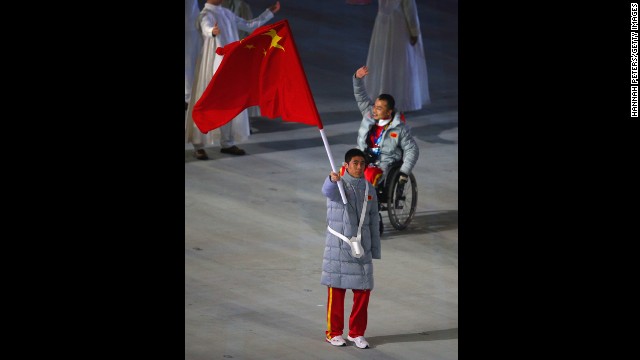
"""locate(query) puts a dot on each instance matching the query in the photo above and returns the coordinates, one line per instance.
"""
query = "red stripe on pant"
(335, 312)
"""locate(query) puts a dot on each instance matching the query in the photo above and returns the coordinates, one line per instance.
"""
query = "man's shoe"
(336, 341)
(359, 341)
(200, 154)
(234, 150)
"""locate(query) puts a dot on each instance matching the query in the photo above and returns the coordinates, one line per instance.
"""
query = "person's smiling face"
(381, 110)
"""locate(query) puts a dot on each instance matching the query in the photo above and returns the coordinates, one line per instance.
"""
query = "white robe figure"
(207, 64)
(395, 66)
(242, 9)
(192, 44)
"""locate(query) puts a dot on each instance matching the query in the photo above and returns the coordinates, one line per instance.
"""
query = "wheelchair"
(397, 199)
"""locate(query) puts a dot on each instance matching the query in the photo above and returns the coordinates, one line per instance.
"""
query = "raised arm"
(250, 25)
(359, 91)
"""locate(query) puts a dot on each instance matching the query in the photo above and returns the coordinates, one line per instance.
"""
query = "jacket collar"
(350, 179)
(395, 122)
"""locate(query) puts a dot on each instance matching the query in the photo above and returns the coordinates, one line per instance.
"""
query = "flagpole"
(313, 103)
(333, 167)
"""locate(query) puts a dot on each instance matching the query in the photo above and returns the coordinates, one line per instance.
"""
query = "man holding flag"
(219, 27)
(352, 242)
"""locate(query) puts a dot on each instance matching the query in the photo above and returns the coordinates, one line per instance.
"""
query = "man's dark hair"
(391, 102)
(353, 152)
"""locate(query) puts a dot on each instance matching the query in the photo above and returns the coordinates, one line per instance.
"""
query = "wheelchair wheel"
(401, 201)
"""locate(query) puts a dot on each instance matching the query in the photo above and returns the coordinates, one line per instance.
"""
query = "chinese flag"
(262, 69)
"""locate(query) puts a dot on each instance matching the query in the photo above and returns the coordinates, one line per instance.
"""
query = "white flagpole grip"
(333, 167)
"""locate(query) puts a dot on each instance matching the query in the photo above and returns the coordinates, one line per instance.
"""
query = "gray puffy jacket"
(339, 268)
(397, 142)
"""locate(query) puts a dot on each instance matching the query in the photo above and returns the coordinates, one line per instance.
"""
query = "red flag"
(262, 69)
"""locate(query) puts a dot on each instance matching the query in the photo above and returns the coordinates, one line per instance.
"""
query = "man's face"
(380, 110)
(356, 166)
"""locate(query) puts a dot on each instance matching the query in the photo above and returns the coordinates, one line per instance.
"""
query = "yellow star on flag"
(274, 39)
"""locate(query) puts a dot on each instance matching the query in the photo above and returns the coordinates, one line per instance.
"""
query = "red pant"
(335, 312)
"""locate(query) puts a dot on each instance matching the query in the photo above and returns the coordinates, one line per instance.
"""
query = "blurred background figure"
(192, 45)
(242, 9)
(396, 56)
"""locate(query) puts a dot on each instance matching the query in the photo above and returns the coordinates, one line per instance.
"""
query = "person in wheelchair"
(383, 136)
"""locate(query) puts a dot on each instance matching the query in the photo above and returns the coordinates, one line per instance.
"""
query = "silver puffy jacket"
(339, 268)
